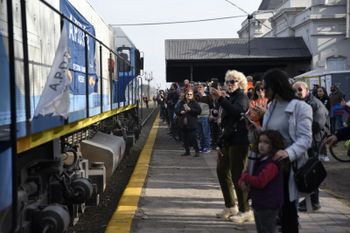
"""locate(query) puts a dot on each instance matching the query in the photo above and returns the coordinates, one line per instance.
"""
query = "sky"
(150, 39)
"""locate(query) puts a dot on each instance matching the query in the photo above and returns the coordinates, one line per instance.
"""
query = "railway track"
(95, 219)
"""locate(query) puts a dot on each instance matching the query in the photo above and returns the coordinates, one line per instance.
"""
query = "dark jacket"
(233, 128)
(172, 98)
(192, 119)
(266, 185)
(320, 122)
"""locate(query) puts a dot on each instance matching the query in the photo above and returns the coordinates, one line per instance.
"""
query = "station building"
(307, 38)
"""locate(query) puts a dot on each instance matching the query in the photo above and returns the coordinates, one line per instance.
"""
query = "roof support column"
(191, 73)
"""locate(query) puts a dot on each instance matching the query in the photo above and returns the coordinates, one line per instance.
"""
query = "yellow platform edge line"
(37, 139)
(122, 217)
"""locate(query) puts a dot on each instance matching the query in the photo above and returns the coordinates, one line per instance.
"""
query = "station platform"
(172, 193)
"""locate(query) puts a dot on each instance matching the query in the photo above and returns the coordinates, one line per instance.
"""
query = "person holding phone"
(187, 111)
(258, 104)
(233, 146)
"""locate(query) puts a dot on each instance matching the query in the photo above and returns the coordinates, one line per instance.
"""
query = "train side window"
(124, 60)
(141, 63)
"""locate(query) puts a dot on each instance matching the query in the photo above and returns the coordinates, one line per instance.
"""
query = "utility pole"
(249, 18)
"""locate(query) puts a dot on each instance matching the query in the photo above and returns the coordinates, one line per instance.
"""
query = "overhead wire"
(233, 4)
(193, 21)
(175, 22)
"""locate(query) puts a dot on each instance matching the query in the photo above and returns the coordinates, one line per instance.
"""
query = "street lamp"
(149, 78)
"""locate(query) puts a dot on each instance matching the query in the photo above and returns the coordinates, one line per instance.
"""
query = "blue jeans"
(204, 132)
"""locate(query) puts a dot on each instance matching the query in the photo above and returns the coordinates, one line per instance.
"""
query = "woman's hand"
(260, 109)
(215, 92)
(280, 155)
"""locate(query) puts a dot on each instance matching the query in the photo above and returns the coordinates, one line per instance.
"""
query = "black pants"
(265, 220)
(315, 198)
(214, 132)
(289, 211)
(189, 138)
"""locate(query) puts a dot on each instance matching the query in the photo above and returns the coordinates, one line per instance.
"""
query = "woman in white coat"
(293, 119)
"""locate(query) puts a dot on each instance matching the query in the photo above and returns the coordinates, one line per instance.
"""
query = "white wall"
(321, 23)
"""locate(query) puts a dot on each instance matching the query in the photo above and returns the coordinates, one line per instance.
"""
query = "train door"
(124, 75)
(7, 139)
(5, 148)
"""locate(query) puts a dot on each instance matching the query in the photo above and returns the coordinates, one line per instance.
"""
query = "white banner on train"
(54, 99)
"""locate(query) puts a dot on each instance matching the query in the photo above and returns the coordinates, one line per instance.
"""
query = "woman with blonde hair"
(233, 146)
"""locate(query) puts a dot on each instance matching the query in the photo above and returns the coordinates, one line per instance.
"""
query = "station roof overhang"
(319, 73)
(203, 59)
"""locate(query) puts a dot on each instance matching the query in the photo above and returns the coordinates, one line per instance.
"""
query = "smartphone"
(246, 117)
(214, 84)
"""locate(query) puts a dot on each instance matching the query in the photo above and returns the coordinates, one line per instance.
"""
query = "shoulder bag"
(309, 177)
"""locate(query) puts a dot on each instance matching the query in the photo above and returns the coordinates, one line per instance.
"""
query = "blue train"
(69, 98)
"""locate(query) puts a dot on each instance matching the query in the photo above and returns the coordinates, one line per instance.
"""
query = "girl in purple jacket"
(266, 182)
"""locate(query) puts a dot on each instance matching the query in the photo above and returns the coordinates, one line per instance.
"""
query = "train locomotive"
(69, 99)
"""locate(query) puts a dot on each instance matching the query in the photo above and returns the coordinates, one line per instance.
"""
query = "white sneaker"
(324, 158)
(242, 217)
(227, 212)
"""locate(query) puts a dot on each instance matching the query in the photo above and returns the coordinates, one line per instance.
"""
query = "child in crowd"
(266, 183)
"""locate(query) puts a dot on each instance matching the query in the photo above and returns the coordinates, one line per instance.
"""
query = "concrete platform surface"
(182, 194)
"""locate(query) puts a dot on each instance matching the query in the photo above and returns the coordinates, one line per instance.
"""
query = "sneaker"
(324, 158)
(242, 217)
(227, 213)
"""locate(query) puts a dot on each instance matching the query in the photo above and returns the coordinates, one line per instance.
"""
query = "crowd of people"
(280, 121)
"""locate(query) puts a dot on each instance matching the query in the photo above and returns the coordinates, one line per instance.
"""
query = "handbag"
(309, 177)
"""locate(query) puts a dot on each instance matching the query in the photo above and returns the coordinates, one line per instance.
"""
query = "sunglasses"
(260, 89)
(299, 89)
(189, 94)
(231, 81)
